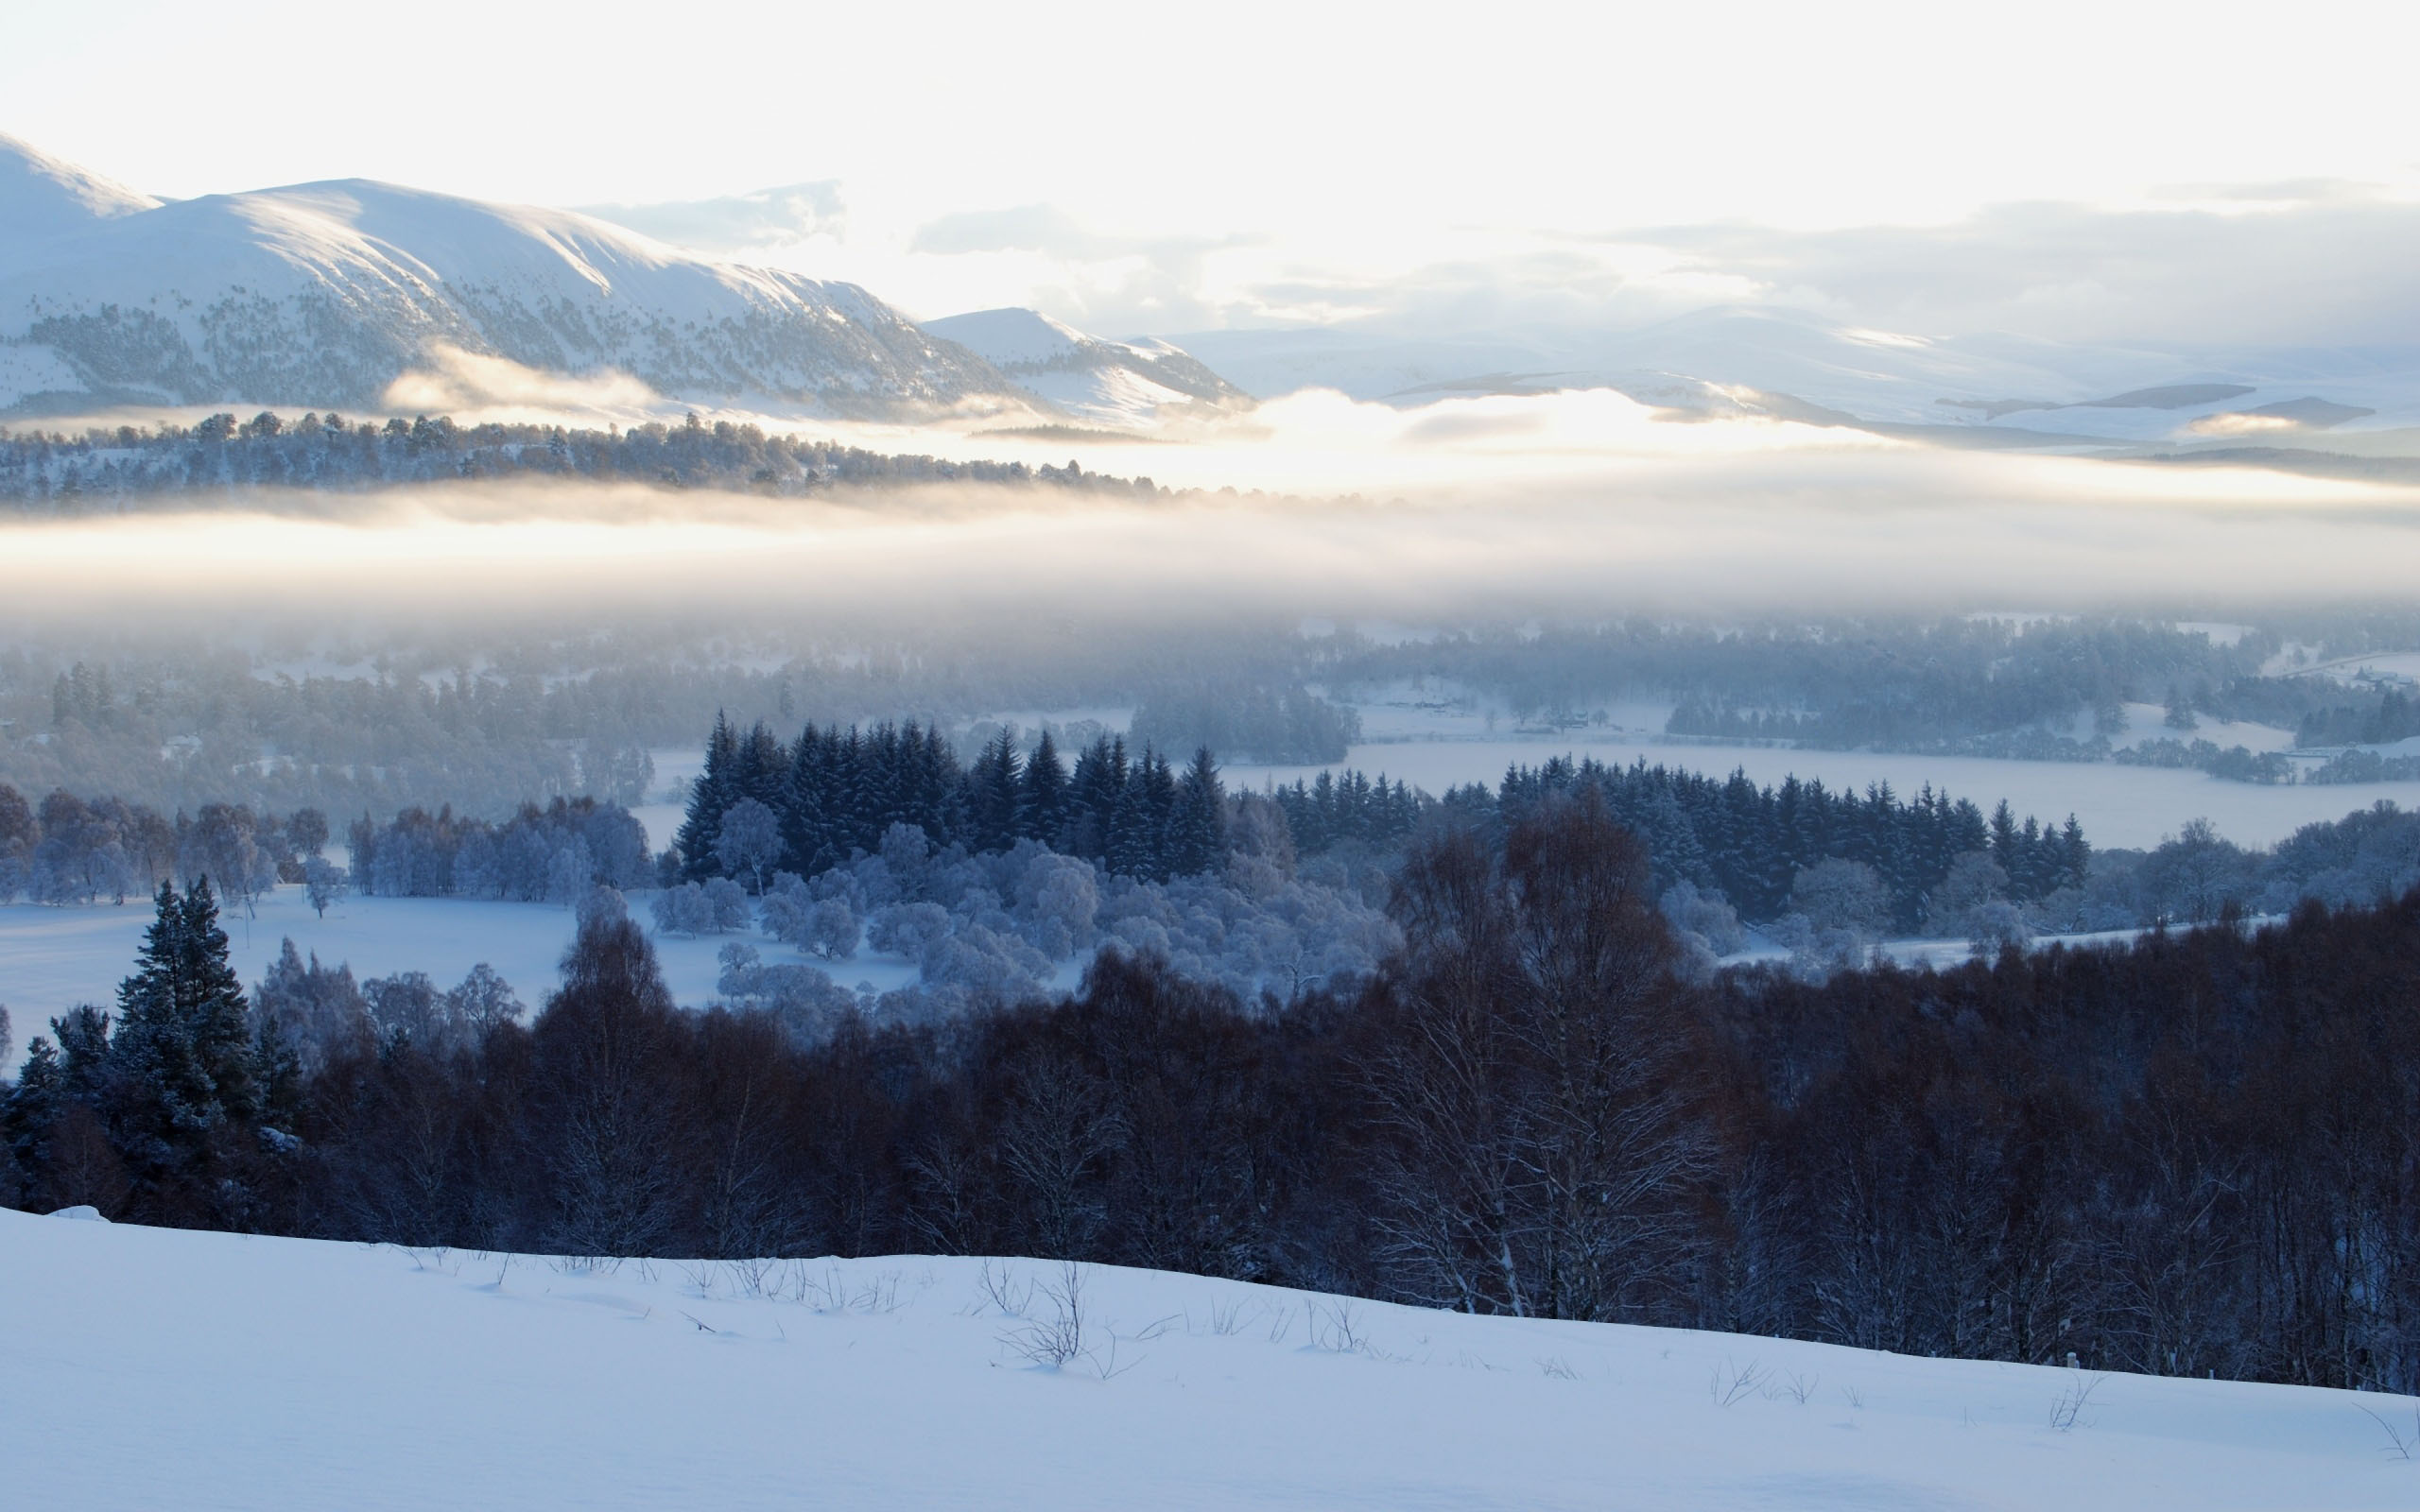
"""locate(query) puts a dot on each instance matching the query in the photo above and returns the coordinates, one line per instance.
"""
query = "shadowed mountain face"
(325, 294)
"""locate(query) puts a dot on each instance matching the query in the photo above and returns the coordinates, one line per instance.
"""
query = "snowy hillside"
(1115, 383)
(324, 294)
(42, 197)
(153, 1368)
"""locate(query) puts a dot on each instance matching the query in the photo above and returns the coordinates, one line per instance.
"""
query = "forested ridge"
(2182, 1156)
(134, 467)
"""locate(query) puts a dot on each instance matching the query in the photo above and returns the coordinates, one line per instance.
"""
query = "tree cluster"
(1332, 809)
(558, 853)
(764, 806)
(2394, 716)
(70, 850)
(1750, 843)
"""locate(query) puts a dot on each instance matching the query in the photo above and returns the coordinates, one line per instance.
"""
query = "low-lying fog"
(1579, 502)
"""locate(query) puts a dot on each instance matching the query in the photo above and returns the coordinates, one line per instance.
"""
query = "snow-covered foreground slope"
(154, 1367)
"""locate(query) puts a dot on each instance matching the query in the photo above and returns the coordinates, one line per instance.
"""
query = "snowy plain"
(274, 1374)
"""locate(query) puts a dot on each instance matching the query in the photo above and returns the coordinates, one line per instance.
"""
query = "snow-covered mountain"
(323, 294)
(1981, 389)
(1117, 383)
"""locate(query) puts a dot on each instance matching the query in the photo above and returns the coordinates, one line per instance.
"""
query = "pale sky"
(1244, 163)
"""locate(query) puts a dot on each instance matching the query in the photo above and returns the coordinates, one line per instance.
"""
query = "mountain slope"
(1117, 383)
(324, 294)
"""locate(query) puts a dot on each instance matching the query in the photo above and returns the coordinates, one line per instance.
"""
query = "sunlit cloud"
(475, 386)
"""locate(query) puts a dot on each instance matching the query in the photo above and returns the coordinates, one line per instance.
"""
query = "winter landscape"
(1614, 759)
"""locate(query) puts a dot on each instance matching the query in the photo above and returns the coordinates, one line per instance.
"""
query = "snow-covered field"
(145, 1368)
(54, 958)
(2131, 806)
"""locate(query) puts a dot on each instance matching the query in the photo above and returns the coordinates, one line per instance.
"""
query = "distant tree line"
(71, 849)
(1247, 722)
(2394, 716)
(2182, 1156)
(110, 470)
(1954, 686)
(557, 854)
(1750, 843)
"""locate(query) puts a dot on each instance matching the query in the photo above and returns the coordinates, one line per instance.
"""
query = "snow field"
(149, 1368)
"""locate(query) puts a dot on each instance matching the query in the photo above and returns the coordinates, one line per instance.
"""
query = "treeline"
(1332, 809)
(71, 849)
(2394, 716)
(1750, 845)
(1890, 682)
(557, 854)
(1247, 722)
(1957, 686)
(763, 806)
(2182, 1156)
(108, 470)
(2200, 875)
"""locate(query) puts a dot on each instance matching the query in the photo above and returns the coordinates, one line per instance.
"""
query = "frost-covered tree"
(317, 1010)
(323, 883)
(18, 839)
(407, 1008)
(748, 842)
(483, 1003)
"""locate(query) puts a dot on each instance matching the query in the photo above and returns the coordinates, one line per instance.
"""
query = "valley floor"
(153, 1368)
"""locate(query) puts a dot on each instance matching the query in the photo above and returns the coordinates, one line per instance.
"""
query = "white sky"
(1312, 141)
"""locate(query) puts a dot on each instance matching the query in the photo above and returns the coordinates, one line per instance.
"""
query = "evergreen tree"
(182, 1056)
(1197, 834)
(1043, 801)
(1094, 791)
(994, 794)
(716, 790)
(32, 1109)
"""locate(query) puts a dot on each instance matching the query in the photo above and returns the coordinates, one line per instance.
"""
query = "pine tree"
(715, 789)
(183, 1054)
(994, 794)
(1095, 792)
(32, 1108)
(1044, 796)
(1197, 835)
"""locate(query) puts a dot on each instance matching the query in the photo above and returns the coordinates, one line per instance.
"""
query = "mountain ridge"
(326, 293)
